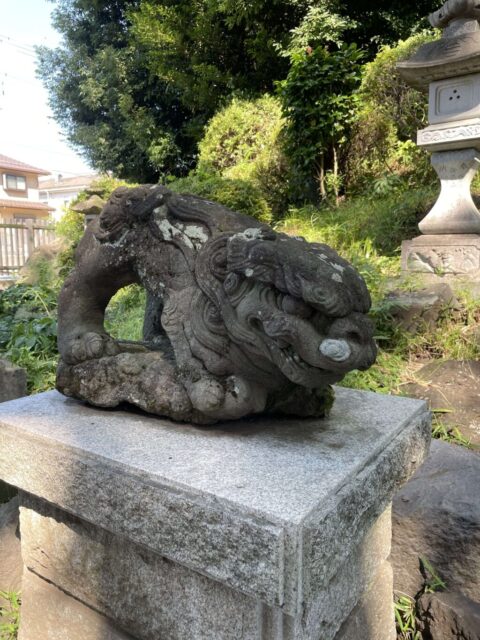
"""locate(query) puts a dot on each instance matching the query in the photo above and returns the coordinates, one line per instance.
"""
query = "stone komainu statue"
(239, 320)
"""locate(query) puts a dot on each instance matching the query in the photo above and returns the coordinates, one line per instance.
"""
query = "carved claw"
(235, 399)
(206, 395)
(90, 346)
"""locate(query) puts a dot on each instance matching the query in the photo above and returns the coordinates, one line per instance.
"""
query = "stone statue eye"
(231, 282)
(296, 307)
(261, 253)
(255, 323)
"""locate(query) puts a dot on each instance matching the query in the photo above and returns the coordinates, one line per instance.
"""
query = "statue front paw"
(229, 399)
(89, 346)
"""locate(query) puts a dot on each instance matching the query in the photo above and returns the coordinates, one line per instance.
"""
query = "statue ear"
(148, 198)
(113, 216)
(252, 252)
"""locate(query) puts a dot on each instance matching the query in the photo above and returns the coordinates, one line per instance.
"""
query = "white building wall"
(58, 200)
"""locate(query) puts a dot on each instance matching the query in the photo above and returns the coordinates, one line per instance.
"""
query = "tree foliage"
(389, 113)
(103, 95)
(319, 106)
(385, 21)
(134, 82)
(209, 49)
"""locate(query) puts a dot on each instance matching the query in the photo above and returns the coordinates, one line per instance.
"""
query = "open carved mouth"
(297, 370)
(308, 347)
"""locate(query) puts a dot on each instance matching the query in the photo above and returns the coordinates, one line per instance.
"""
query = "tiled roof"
(16, 165)
(75, 181)
(24, 204)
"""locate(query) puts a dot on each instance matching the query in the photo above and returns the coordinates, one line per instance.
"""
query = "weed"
(405, 606)
(385, 376)
(405, 618)
(433, 582)
(382, 222)
(446, 432)
(9, 614)
(28, 329)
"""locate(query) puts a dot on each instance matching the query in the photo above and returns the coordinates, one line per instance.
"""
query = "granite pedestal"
(443, 255)
(266, 529)
(13, 381)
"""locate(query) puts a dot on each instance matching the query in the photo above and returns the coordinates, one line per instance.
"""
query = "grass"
(385, 221)
(405, 606)
(448, 433)
(405, 618)
(9, 614)
(124, 314)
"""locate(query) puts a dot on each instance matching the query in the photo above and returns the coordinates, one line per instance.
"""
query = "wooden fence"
(18, 239)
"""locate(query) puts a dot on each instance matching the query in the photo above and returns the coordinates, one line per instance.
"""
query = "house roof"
(25, 204)
(16, 165)
(62, 184)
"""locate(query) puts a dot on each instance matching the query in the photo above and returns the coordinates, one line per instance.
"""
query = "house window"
(15, 183)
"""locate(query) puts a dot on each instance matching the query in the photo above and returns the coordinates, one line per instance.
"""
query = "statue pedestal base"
(137, 527)
(443, 255)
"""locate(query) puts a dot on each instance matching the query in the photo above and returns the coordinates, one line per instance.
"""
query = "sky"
(27, 130)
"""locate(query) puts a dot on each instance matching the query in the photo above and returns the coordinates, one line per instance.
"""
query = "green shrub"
(238, 195)
(243, 141)
(28, 329)
(318, 103)
(105, 185)
(389, 112)
(71, 226)
(239, 133)
(70, 229)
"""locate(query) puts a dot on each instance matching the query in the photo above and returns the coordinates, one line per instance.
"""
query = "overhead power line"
(27, 51)
(4, 75)
(16, 43)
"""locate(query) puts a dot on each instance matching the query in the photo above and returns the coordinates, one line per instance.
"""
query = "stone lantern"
(449, 68)
(92, 207)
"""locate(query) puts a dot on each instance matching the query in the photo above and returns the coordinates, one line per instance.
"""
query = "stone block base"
(109, 578)
(48, 613)
(443, 255)
(372, 617)
(52, 614)
(258, 530)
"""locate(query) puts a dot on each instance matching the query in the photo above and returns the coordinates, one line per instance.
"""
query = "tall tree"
(105, 98)
(134, 81)
(384, 21)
